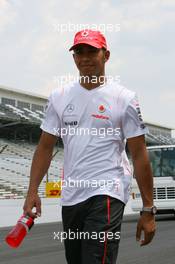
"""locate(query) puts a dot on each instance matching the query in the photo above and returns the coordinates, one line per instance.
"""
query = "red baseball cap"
(90, 37)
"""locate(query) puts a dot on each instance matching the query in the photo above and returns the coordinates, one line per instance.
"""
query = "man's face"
(89, 60)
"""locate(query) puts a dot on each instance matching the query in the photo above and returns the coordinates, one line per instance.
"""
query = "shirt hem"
(139, 133)
(49, 131)
(89, 196)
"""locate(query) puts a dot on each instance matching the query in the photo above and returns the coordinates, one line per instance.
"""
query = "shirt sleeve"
(51, 123)
(132, 122)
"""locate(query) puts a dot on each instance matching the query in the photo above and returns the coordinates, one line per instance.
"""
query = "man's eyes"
(94, 50)
(82, 51)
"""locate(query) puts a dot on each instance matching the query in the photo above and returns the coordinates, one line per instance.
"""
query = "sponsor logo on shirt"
(100, 116)
(142, 125)
(70, 108)
(101, 109)
(139, 113)
(71, 123)
(137, 107)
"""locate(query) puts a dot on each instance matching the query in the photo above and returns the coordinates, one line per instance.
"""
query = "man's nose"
(85, 56)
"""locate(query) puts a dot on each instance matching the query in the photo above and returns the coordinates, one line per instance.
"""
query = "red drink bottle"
(17, 234)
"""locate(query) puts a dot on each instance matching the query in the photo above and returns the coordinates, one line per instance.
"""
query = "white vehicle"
(162, 160)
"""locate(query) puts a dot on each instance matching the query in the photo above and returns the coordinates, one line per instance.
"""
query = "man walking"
(95, 118)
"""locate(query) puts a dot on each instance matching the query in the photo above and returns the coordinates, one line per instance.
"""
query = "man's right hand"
(32, 200)
(40, 164)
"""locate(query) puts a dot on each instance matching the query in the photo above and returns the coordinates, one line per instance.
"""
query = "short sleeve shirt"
(94, 126)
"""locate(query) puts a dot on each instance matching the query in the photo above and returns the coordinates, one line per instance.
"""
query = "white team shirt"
(94, 125)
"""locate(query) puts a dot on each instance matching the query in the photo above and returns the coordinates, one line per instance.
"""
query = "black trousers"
(93, 230)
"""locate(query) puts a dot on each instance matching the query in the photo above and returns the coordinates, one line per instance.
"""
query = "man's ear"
(106, 55)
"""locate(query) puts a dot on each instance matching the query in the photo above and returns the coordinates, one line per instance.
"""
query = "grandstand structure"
(21, 114)
(15, 163)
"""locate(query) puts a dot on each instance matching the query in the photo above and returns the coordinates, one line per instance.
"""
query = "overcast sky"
(34, 52)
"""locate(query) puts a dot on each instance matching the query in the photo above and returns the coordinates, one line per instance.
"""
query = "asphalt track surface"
(40, 246)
